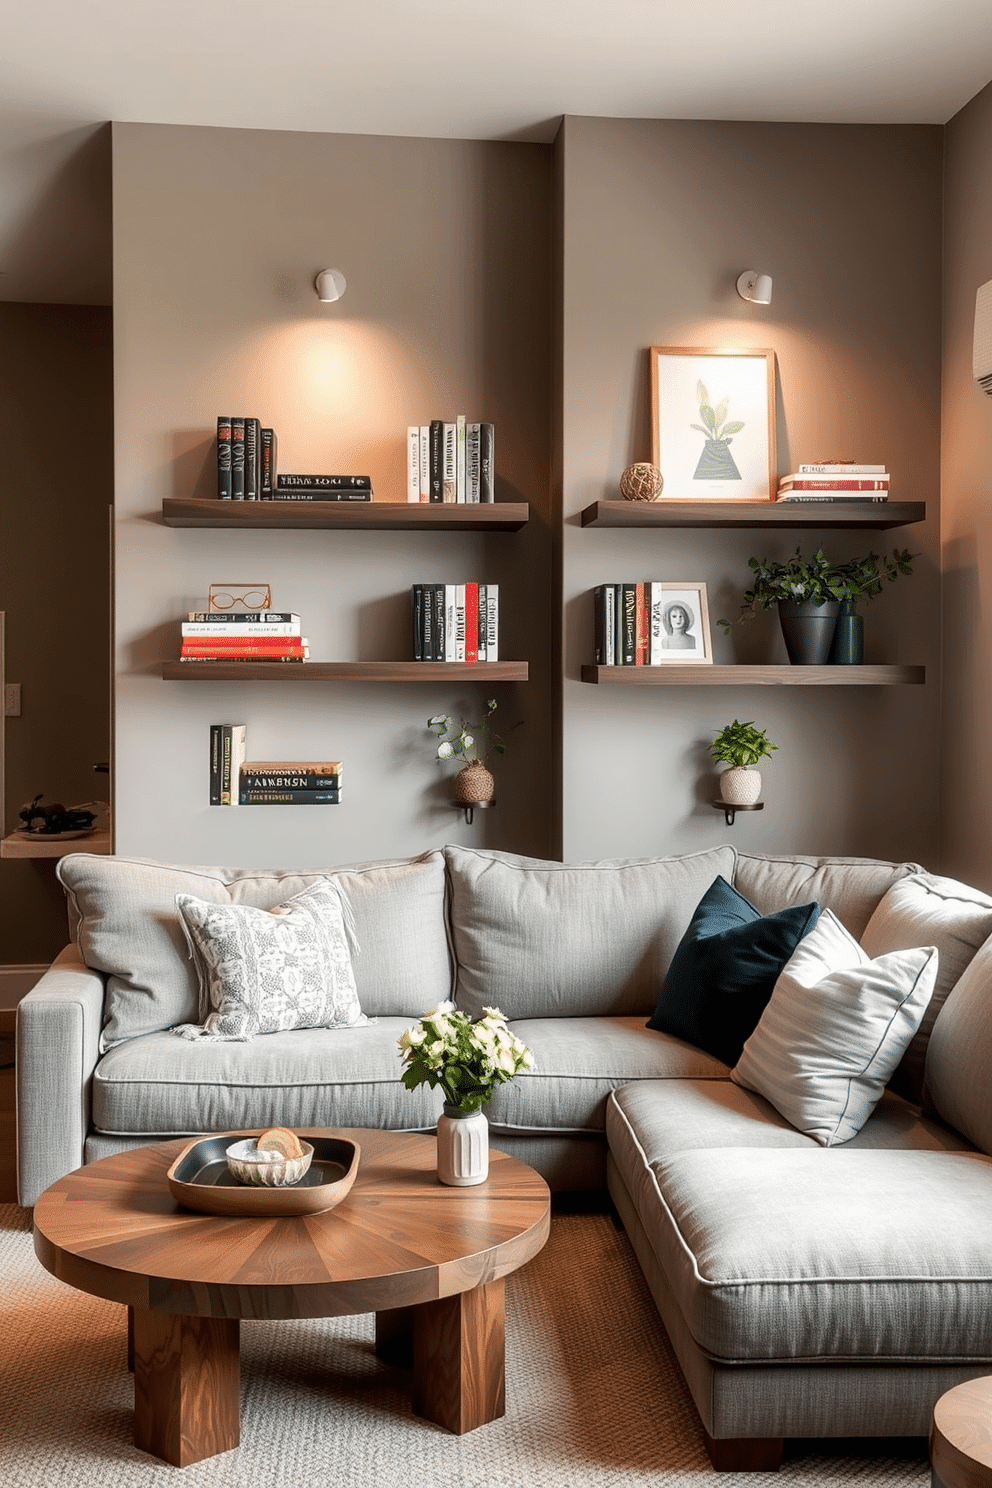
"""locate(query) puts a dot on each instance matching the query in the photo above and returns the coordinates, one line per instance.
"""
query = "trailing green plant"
(741, 744)
(817, 579)
(455, 743)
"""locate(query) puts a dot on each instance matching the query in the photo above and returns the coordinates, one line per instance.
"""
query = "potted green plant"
(468, 1060)
(809, 593)
(472, 743)
(741, 746)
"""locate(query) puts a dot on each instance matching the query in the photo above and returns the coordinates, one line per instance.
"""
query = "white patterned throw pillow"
(264, 970)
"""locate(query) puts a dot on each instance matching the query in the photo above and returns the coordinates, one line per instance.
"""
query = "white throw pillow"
(265, 970)
(834, 1029)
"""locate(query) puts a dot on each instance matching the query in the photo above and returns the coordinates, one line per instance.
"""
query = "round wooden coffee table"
(429, 1261)
(961, 1439)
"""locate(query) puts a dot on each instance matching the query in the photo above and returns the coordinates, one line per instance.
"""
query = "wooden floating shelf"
(687, 674)
(345, 671)
(35, 845)
(753, 514)
(355, 516)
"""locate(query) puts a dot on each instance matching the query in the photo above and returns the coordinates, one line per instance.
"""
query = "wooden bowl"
(200, 1179)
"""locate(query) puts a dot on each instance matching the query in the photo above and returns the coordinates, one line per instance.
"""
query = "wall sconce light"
(755, 287)
(331, 284)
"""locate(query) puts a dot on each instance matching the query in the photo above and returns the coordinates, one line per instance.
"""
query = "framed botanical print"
(713, 422)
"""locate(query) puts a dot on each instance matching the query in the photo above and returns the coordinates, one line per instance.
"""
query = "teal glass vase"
(848, 647)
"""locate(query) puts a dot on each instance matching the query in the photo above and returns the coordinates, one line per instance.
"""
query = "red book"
(192, 650)
(841, 483)
(471, 622)
(241, 643)
(642, 622)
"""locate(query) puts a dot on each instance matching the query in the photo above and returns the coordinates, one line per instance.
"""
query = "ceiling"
(481, 69)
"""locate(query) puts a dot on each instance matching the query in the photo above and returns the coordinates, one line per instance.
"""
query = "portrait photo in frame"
(680, 623)
(713, 422)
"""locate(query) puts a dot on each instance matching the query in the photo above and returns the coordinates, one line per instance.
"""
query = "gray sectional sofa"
(810, 1287)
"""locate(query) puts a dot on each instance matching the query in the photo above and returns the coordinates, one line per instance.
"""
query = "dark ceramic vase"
(808, 630)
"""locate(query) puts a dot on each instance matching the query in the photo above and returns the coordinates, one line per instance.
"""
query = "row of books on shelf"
(450, 461)
(650, 623)
(247, 469)
(835, 480)
(456, 622)
(246, 635)
(236, 781)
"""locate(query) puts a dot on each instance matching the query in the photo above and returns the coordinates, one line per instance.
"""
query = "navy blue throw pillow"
(725, 968)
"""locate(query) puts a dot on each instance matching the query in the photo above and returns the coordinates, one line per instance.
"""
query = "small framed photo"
(680, 623)
(713, 422)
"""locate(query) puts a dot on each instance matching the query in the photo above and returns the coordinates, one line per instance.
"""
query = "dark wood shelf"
(690, 674)
(356, 516)
(345, 671)
(753, 514)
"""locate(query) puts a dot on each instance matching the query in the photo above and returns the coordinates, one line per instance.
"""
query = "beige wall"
(966, 488)
(446, 248)
(659, 219)
(56, 486)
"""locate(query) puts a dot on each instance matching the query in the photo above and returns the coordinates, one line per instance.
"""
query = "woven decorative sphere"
(641, 482)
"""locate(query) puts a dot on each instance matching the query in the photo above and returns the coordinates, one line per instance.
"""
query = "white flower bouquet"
(468, 1060)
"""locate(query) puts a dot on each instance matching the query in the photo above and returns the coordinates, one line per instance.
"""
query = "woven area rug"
(594, 1396)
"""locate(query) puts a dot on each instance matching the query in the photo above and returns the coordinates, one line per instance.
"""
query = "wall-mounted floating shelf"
(345, 671)
(730, 809)
(691, 675)
(356, 516)
(469, 808)
(753, 514)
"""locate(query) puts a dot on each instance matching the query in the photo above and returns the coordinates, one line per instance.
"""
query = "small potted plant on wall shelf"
(741, 746)
(810, 593)
(472, 743)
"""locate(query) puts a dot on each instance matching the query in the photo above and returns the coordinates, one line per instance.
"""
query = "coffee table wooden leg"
(459, 1358)
(187, 1386)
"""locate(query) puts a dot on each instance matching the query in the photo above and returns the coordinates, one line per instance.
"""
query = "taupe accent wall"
(446, 247)
(966, 502)
(56, 487)
(660, 217)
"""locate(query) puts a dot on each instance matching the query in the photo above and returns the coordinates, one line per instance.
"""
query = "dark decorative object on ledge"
(56, 820)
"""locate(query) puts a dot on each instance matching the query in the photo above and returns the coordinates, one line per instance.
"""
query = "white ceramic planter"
(740, 785)
(462, 1147)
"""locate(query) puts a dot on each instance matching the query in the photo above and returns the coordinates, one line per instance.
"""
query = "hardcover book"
(323, 482)
(224, 457)
(487, 465)
(436, 459)
(253, 462)
(289, 797)
(237, 457)
(413, 462)
(268, 466)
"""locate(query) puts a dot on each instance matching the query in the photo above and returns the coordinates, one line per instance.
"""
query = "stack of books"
(290, 783)
(450, 461)
(630, 626)
(247, 635)
(835, 480)
(228, 742)
(247, 470)
(456, 622)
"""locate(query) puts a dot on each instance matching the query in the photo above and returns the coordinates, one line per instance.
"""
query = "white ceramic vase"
(740, 785)
(462, 1147)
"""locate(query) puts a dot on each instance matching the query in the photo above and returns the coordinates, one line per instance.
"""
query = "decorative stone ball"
(641, 482)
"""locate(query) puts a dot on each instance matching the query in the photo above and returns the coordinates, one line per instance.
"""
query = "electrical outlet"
(12, 700)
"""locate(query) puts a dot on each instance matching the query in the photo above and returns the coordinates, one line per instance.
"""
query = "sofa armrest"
(58, 1045)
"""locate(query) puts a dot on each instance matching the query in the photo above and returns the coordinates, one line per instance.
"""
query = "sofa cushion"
(578, 1062)
(268, 970)
(851, 887)
(724, 969)
(924, 909)
(158, 1085)
(124, 918)
(959, 1056)
(542, 939)
(872, 1255)
(835, 1028)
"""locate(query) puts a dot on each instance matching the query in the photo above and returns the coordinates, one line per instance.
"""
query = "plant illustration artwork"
(715, 462)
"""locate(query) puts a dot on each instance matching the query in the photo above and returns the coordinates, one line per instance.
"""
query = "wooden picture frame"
(703, 400)
(674, 640)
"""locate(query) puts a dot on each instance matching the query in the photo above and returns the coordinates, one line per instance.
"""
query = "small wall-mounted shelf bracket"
(730, 810)
(471, 807)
